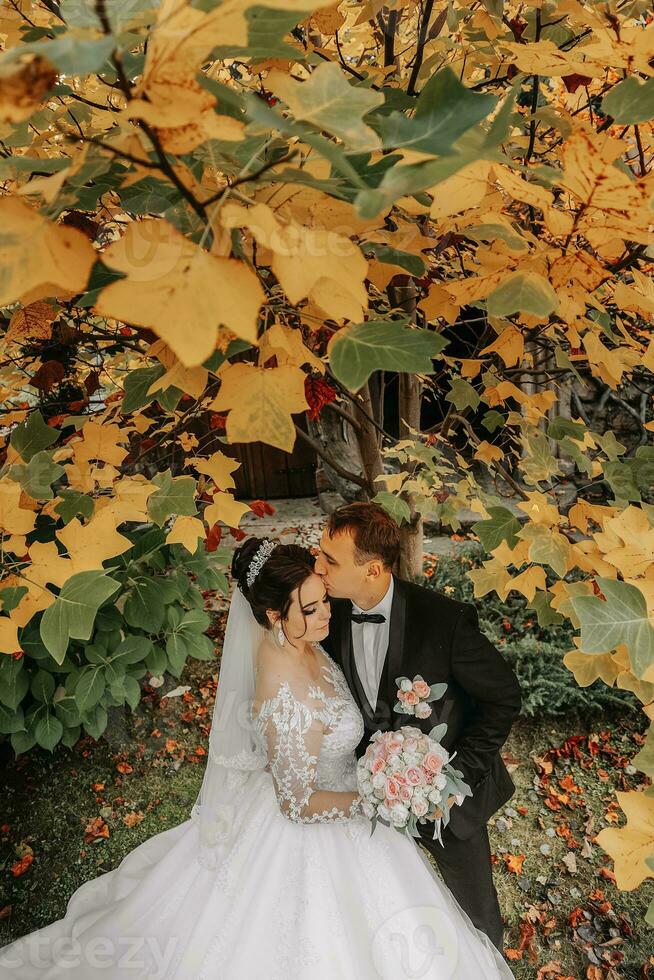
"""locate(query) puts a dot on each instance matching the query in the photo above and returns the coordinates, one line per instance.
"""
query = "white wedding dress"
(295, 898)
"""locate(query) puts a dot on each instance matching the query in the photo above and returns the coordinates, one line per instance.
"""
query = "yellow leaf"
(286, 344)
(528, 581)
(186, 531)
(32, 322)
(587, 667)
(13, 517)
(262, 401)
(463, 190)
(487, 452)
(8, 636)
(35, 253)
(509, 345)
(219, 467)
(539, 510)
(180, 291)
(224, 508)
(100, 442)
(311, 262)
(546, 58)
(631, 845)
(88, 545)
(192, 380)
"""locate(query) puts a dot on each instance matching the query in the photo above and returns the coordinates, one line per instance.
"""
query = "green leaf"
(37, 476)
(523, 292)
(72, 614)
(547, 547)
(73, 503)
(144, 608)
(630, 101)
(399, 181)
(502, 525)
(43, 686)
(71, 736)
(462, 394)
(175, 497)
(132, 650)
(11, 720)
(177, 653)
(71, 55)
(415, 265)
(48, 731)
(444, 111)
(329, 102)
(22, 742)
(542, 603)
(136, 386)
(393, 505)
(156, 661)
(621, 618)
(14, 682)
(95, 723)
(31, 436)
(267, 29)
(560, 427)
(90, 688)
(382, 345)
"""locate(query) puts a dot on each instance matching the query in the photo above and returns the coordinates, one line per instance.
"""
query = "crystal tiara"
(261, 556)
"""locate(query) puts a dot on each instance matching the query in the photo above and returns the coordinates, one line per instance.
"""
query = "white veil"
(234, 753)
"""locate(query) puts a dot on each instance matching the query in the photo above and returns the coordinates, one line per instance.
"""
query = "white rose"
(383, 812)
(435, 796)
(422, 710)
(368, 809)
(366, 787)
(440, 781)
(379, 780)
(419, 806)
(399, 814)
(406, 684)
(420, 791)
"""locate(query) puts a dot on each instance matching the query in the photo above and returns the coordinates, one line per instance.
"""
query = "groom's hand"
(435, 814)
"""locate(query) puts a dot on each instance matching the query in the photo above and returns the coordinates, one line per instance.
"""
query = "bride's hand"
(435, 814)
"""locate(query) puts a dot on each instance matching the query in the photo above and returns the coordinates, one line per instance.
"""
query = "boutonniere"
(414, 696)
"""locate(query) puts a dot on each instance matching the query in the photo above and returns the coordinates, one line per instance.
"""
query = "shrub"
(150, 624)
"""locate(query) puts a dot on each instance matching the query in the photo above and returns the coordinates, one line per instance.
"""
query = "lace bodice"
(309, 736)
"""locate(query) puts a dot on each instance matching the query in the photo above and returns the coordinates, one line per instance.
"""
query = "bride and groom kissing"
(276, 873)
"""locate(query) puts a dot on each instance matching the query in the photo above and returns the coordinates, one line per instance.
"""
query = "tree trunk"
(412, 532)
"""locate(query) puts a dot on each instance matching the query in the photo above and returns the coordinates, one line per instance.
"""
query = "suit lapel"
(396, 642)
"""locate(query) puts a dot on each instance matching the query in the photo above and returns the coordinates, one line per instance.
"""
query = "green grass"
(48, 801)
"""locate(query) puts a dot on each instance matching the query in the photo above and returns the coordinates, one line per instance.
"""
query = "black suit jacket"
(439, 637)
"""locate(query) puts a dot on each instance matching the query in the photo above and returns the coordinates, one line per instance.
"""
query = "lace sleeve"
(293, 736)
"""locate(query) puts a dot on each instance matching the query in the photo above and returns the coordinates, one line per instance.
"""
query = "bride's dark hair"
(286, 569)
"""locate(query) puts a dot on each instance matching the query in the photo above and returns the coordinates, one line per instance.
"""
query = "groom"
(382, 628)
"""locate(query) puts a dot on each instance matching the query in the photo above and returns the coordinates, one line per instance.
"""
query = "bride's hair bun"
(283, 571)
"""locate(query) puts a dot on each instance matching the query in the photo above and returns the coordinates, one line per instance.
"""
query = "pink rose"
(378, 764)
(432, 762)
(410, 697)
(422, 689)
(400, 778)
(423, 710)
(414, 777)
(410, 744)
(392, 789)
(405, 793)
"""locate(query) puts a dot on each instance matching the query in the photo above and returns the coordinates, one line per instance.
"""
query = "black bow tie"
(368, 618)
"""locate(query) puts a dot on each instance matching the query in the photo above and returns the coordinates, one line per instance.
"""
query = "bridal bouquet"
(404, 775)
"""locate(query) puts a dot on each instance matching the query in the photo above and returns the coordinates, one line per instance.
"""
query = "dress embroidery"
(302, 758)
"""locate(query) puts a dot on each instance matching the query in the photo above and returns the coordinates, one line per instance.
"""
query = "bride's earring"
(280, 636)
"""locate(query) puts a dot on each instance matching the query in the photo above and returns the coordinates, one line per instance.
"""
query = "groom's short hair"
(375, 533)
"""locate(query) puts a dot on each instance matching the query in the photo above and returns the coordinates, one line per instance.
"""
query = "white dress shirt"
(370, 643)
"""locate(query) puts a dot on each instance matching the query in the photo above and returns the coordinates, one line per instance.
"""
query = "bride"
(275, 875)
